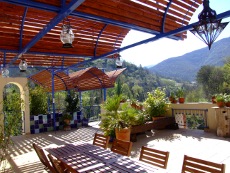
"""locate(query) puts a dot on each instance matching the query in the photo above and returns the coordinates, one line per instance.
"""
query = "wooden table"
(85, 157)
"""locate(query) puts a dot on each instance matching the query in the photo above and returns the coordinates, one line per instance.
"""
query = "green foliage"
(211, 79)
(38, 100)
(112, 104)
(227, 98)
(156, 103)
(180, 93)
(60, 100)
(195, 122)
(220, 97)
(196, 95)
(118, 116)
(66, 116)
(12, 105)
(72, 102)
(118, 87)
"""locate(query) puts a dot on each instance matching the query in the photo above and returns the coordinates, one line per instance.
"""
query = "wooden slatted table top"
(85, 157)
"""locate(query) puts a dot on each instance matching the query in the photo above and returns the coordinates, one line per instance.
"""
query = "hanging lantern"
(119, 62)
(5, 72)
(209, 28)
(67, 35)
(23, 65)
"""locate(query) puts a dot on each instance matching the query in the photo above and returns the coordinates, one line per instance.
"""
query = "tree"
(211, 78)
(38, 96)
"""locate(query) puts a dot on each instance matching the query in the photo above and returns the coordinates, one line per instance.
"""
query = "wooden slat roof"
(99, 26)
(87, 79)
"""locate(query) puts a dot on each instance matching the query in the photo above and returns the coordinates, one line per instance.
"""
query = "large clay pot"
(123, 134)
(67, 124)
(157, 118)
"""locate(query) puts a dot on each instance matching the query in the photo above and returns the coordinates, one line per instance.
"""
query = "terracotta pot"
(67, 124)
(227, 104)
(181, 100)
(220, 104)
(67, 121)
(123, 134)
(157, 118)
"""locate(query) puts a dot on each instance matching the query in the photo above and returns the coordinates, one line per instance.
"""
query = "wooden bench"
(151, 125)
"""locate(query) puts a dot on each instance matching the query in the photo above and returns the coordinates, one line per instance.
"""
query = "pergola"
(30, 30)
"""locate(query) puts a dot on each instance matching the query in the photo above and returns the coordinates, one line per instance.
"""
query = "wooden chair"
(155, 157)
(122, 147)
(101, 140)
(43, 158)
(58, 165)
(195, 165)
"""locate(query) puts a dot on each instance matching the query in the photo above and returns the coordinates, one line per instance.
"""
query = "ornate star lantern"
(209, 28)
(22, 65)
(67, 35)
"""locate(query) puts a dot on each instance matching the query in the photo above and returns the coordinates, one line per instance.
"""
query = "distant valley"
(185, 67)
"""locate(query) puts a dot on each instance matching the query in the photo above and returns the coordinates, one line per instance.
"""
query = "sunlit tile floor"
(196, 143)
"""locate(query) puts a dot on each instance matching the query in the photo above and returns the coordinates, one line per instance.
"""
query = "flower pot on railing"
(227, 104)
(181, 100)
(220, 104)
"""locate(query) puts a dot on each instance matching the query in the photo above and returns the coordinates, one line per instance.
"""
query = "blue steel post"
(53, 101)
(80, 98)
(48, 103)
(104, 90)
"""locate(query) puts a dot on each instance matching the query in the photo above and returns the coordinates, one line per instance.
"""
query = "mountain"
(185, 67)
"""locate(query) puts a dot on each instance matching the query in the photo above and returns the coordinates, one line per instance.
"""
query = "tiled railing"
(191, 118)
(45, 123)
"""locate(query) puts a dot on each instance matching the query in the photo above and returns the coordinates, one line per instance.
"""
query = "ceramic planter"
(123, 134)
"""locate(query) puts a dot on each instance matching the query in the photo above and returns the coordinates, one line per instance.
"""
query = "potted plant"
(220, 99)
(156, 104)
(227, 100)
(180, 95)
(67, 117)
(117, 118)
(172, 98)
(71, 107)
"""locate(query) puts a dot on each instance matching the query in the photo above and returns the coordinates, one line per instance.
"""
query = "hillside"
(185, 67)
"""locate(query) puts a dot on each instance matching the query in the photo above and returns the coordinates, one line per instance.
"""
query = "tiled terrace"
(197, 143)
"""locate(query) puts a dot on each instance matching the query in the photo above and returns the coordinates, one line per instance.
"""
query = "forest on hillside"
(135, 83)
(185, 67)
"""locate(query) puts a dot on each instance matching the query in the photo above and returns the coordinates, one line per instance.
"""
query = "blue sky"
(155, 52)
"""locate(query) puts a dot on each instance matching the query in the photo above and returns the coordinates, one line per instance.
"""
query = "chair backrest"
(101, 140)
(122, 147)
(155, 157)
(191, 164)
(57, 164)
(43, 157)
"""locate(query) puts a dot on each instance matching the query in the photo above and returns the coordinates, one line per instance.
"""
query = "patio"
(197, 143)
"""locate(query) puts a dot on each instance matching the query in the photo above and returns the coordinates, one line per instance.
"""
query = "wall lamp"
(209, 28)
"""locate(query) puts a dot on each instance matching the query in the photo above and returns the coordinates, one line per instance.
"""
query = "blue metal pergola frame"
(69, 9)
